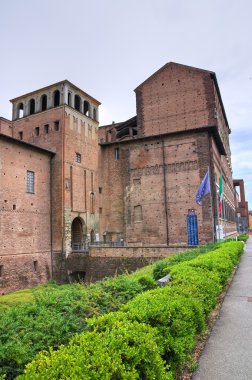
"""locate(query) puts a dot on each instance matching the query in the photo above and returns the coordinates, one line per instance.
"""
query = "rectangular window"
(78, 157)
(46, 126)
(30, 182)
(100, 190)
(35, 265)
(100, 210)
(20, 135)
(1, 270)
(56, 125)
(37, 131)
(117, 154)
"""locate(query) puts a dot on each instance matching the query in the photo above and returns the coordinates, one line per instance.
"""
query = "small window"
(32, 106)
(30, 182)
(20, 135)
(1, 270)
(43, 102)
(100, 190)
(56, 125)
(86, 108)
(14, 207)
(37, 131)
(46, 126)
(69, 99)
(78, 157)
(100, 210)
(20, 110)
(56, 98)
(117, 154)
(35, 265)
(77, 102)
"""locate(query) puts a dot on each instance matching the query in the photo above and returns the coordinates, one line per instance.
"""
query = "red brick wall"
(176, 98)
(137, 179)
(5, 126)
(52, 141)
(24, 217)
(81, 180)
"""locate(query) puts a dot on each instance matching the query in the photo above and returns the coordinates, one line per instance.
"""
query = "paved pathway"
(228, 351)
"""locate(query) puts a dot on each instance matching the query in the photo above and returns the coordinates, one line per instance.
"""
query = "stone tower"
(64, 119)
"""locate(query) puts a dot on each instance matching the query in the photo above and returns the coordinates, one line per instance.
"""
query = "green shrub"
(159, 269)
(55, 313)
(177, 311)
(126, 350)
(243, 237)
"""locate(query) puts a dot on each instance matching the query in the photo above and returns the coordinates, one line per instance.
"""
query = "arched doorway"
(77, 234)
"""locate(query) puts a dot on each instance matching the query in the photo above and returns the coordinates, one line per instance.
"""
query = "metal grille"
(30, 182)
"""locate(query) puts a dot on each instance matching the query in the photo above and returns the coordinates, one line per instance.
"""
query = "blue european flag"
(204, 188)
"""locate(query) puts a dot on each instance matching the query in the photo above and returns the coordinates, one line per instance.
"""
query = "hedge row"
(243, 237)
(152, 335)
(56, 313)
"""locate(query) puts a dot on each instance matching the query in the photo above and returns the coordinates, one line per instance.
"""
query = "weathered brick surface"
(139, 178)
(135, 185)
(176, 98)
(52, 141)
(134, 251)
(24, 217)
(183, 131)
(96, 268)
(5, 126)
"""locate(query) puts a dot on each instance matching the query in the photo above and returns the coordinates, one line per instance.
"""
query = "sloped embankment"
(152, 335)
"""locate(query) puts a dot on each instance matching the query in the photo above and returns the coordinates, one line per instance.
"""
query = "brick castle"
(128, 188)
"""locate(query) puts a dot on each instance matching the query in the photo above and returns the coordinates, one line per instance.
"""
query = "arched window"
(92, 236)
(94, 114)
(69, 99)
(86, 108)
(77, 102)
(32, 106)
(77, 233)
(56, 98)
(43, 102)
(20, 110)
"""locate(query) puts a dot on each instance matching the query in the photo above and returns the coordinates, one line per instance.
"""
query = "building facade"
(241, 210)
(152, 164)
(132, 183)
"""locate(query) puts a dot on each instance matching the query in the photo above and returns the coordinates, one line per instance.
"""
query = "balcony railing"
(80, 247)
(84, 247)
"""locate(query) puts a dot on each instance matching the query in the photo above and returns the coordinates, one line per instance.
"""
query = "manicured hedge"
(243, 237)
(152, 335)
(56, 313)
(52, 314)
(159, 269)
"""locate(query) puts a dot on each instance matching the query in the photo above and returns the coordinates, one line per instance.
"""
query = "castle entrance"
(77, 234)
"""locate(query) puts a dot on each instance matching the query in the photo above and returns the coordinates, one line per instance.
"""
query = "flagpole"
(212, 219)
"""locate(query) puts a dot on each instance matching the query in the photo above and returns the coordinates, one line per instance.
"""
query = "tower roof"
(53, 85)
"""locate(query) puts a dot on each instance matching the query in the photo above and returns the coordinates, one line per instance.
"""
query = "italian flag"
(220, 194)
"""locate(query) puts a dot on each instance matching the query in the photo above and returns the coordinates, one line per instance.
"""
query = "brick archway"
(77, 232)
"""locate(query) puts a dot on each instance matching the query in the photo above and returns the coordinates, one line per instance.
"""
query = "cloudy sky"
(108, 47)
